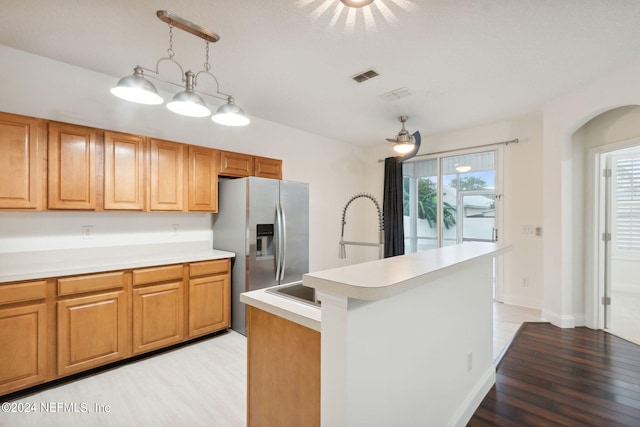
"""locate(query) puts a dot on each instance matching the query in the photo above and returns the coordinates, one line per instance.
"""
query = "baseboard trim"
(474, 399)
(558, 320)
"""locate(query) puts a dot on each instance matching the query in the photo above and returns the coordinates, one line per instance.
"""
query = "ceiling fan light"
(135, 88)
(403, 147)
(189, 104)
(356, 3)
(230, 114)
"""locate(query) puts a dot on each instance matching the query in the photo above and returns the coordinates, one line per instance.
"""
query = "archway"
(564, 302)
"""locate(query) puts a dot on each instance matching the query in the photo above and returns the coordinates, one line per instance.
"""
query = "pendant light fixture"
(136, 87)
(356, 3)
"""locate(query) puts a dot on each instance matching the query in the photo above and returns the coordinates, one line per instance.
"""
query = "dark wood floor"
(564, 377)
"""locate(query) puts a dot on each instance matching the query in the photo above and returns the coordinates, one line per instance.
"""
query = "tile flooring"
(202, 384)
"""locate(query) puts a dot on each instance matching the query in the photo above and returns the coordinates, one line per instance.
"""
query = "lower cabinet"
(61, 326)
(283, 365)
(209, 297)
(92, 331)
(23, 342)
(158, 308)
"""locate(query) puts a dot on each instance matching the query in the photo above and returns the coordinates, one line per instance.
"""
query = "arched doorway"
(568, 294)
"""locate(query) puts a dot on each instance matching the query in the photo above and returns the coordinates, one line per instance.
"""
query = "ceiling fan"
(404, 142)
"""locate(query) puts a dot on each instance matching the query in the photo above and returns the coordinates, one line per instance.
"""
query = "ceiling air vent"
(364, 76)
(394, 95)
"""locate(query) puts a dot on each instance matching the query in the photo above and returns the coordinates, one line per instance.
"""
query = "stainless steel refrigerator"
(266, 223)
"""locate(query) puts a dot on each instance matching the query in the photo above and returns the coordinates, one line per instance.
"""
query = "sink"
(297, 292)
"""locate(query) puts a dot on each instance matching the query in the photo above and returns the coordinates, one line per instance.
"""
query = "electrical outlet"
(527, 229)
(175, 228)
(87, 232)
(525, 282)
(469, 362)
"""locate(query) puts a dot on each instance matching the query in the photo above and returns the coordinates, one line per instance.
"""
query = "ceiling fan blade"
(416, 138)
(391, 140)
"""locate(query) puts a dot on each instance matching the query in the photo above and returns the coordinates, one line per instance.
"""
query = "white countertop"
(297, 312)
(17, 266)
(380, 279)
(373, 280)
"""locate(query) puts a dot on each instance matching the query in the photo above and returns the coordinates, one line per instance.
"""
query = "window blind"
(627, 207)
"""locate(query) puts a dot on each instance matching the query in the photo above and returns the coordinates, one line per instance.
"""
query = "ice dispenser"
(264, 242)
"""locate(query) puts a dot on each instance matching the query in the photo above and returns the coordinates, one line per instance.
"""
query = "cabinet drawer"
(94, 282)
(18, 292)
(209, 267)
(157, 274)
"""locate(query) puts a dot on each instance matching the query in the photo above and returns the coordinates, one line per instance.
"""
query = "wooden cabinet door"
(72, 167)
(124, 171)
(283, 365)
(92, 331)
(158, 318)
(167, 176)
(235, 164)
(268, 168)
(23, 343)
(209, 304)
(203, 179)
(21, 162)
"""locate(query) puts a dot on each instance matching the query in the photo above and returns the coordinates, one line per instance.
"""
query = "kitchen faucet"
(343, 253)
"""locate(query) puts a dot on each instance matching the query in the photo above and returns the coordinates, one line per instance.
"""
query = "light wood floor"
(202, 384)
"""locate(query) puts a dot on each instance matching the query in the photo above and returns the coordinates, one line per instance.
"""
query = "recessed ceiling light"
(356, 3)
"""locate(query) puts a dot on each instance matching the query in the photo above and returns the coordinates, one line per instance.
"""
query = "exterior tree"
(469, 183)
(428, 203)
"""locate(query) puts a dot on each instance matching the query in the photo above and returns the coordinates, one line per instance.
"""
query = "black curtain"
(392, 208)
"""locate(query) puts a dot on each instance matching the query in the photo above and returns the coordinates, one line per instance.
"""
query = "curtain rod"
(511, 141)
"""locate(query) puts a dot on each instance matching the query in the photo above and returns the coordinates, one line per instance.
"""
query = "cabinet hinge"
(606, 300)
(606, 173)
(606, 237)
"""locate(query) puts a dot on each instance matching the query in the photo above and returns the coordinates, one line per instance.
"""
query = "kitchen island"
(404, 341)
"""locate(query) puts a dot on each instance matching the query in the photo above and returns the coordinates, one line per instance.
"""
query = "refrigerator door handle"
(283, 242)
(278, 240)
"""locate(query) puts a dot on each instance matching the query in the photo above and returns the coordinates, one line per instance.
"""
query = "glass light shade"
(230, 114)
(189, 104)
(463, 169)
(136, 88)
(403, 147)
(356, 3)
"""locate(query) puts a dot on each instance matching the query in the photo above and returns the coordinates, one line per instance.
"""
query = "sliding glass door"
(449, 200)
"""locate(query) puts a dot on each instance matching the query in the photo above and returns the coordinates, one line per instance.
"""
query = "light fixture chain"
(207, 66)
(170, 50)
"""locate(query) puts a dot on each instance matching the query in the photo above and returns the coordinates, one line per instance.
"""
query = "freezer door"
(262, 206)
(294, 202)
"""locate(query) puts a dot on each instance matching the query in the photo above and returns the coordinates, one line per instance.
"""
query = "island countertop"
(384, 278)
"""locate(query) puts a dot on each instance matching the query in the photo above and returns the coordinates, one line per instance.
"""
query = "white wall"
(36, 86)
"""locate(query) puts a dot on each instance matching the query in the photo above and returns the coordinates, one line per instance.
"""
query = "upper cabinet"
(203, 179)
(46, 165)
(236, 164)
(241, 165)
(268, 168)
(124, 172)
(167, 175)
(72, 167)
(21, 162)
